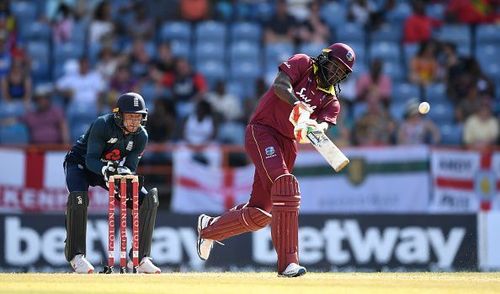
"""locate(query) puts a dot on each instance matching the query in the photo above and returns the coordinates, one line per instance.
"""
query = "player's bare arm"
(282, 87)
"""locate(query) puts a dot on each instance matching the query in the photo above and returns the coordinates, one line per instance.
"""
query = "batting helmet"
(130, 103)
(333, 55)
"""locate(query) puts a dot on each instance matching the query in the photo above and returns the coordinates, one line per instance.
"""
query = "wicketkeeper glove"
(109, 170)
(304, 127)
(300, 112)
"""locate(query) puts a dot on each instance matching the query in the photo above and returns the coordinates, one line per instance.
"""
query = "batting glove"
(304, 127)
(300, 112)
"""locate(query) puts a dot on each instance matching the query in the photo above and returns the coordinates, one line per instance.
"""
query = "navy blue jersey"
(105, 141)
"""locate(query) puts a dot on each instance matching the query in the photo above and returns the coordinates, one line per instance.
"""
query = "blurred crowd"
(202, 65)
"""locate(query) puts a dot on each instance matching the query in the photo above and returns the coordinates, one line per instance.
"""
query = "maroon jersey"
(274, 112)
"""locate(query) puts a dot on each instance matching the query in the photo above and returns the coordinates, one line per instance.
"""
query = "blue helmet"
(130, 103)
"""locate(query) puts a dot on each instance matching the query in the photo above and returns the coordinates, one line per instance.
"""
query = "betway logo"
(24, 246)
(304, 98)
(407, 245)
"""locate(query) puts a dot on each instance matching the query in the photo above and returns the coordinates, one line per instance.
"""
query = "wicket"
(123, 223)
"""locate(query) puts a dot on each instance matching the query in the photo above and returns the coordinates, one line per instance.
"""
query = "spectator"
(140, 58)
(17, 85)
(415, 129)
(375, 127)
(163, 65)
(481, 128)
(314, 29)
(226, 105)
(165, 61)
(200, 127)
(341, 133)
(472, 12)
(122, 82)
(360, 11)
(5, 55)
(300, 9)
(141, 26)
(161, 124)
(194, 10)
(102, 25)
(107, 63)
(46, 123)
(250, 103)
(467, 76)
(186, 85)
(424, 67)
(467, 105)
(418, 26)
(85, 86)
(8, 25)
(374, 86)
(281, 27)
(64, 21)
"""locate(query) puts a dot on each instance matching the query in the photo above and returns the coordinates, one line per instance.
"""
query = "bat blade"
(328, 150)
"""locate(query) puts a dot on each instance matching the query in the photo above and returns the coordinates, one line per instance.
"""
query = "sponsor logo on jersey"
(113, 155)
(304, 98)
(112, 140)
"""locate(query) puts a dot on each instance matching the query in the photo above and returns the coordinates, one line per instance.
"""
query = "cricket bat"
(328, 150)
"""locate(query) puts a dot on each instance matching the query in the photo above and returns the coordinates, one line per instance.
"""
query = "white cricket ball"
(424, 107)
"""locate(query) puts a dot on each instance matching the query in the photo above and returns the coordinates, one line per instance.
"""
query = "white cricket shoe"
(293, 270)
(81, 265)
(204, 246)
(146, 266)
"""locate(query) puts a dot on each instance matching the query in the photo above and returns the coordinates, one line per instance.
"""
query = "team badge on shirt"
(130, 145)
(270, 152)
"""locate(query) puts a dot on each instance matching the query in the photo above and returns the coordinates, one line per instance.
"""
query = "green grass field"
(260, 283)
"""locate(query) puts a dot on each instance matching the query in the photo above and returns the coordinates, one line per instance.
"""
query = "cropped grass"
(258, 283)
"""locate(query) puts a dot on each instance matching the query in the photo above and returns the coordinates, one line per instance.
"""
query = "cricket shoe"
(293, 270)
(204, 246)
(81, 265)
(146, 266)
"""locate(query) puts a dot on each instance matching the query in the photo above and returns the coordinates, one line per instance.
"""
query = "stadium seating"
(14, 134)
(246, 31)
(387, 51)
(213, 70)
(442, 113)
(487, 34)
(451, 134)
(210, 31)
(404, 91)
(457, 34)
(387, 33)
(436, 93)
(175, 30)
(275, 53)
(350, 32)
(36, 31)
(244, 51)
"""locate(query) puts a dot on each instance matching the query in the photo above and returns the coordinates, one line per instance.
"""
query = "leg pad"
(147, 219)
(236, 221)
(76, 224)
(285, 196)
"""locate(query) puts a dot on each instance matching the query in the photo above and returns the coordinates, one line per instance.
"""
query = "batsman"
(303, 97)
(112, 145)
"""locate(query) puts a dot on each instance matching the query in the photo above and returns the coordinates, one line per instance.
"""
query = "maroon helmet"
(342, 53)
(329, 62)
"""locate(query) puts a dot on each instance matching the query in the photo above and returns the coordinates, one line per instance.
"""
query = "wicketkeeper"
(303, 97)
(112, 145)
